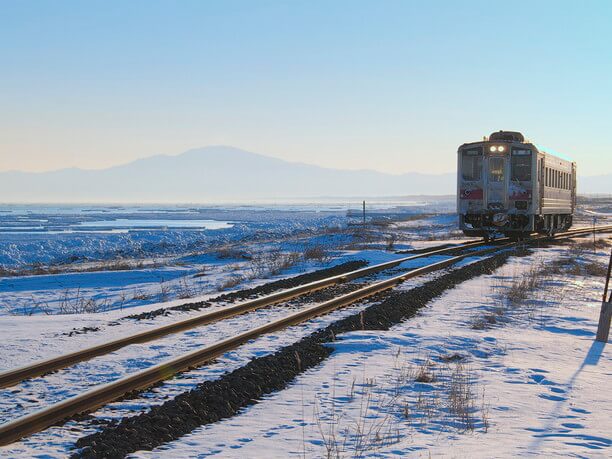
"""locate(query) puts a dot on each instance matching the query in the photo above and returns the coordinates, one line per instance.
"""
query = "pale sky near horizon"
(393, 86)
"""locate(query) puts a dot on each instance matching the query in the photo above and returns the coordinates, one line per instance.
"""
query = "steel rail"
(103, 394)
(41, 367)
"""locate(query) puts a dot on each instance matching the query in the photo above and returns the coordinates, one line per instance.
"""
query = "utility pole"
(364, 213)
(594, 245)
(603, 329)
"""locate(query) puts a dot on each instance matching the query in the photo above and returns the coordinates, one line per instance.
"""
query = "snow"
(538, 384)
(116, 268)
(539, 371)
(65, 383)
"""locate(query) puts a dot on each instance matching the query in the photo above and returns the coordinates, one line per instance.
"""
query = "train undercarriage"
(514, 226)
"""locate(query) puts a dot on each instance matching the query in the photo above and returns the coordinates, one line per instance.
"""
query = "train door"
(497, 176)
(542, 179)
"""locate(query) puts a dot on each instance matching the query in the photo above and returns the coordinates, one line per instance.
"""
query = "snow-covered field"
(475, 375)
(533, 384)
(94, 259)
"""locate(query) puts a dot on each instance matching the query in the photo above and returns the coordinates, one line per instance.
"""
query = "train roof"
(508, 136)
(552, 152)
(515, 136)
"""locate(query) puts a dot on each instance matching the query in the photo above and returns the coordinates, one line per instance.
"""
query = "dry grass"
(460, 402)
(164, 291)
(593, 268)
(424, 373)
(524, 289)
(444, 235)
(231, 282)
(229, 252)
(590, 245)
(272, 263)
(427, 396)
(513, 293)
(29, 307)
(574, 265)
(186, 290)
(390, 242)
(522, 286)
(140, 295)
(39, 269)
(317, 253)
(202, 271)
(73, 302)
(373, 428)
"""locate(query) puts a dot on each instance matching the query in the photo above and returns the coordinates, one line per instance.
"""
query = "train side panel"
(558, 196)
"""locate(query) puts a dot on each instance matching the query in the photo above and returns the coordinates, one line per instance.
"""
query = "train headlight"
(493, 148)
(500, 148)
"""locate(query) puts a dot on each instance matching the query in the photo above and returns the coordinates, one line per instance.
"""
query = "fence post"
(605, 315)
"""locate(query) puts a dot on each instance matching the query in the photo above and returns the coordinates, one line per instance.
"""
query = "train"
(506, 185)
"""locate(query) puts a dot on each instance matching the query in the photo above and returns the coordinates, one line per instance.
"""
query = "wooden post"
(605, 294)
(605, 315)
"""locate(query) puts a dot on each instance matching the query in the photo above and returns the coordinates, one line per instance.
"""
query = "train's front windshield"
(471, 164)
(521, 165)
(496, 169)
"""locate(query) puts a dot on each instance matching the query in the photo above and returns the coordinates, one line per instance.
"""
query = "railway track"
(11, 377)
(103, 394)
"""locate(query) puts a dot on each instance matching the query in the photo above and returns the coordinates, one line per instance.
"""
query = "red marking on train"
(471, 194)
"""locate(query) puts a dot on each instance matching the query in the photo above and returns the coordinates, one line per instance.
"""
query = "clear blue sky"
(387, 85)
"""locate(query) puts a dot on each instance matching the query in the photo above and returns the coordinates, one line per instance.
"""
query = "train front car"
(501, 188)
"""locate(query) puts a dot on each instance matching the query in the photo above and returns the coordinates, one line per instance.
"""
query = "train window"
(552, 178)
(496, 169)
(547, 179)
(521, 165)
(471, 164)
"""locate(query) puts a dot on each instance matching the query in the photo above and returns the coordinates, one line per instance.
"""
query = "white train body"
(505, 185)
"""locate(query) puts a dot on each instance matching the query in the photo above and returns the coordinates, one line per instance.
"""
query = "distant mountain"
(221, 173)
(595, 184)
(211, 174)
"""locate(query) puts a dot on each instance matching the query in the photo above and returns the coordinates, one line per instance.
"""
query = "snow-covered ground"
(533, 377)
(535, 383)
(94, 259)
